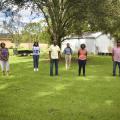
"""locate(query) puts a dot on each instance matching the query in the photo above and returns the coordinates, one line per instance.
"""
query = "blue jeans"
(82, 65)
(115, 63)
(35, 61)
(52, 62)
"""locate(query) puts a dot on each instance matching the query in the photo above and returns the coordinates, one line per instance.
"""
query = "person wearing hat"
(116, 58)
(54, 55)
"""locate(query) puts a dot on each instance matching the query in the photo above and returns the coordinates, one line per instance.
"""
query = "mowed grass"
(28, 95)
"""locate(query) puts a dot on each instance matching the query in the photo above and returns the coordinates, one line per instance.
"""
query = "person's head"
(2, 45)
(55, 42)
(83, 46)
(68, 45)
(36, 44)
(118, 43)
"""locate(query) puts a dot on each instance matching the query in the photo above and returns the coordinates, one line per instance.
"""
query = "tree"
(105, 17)
(35, 32)
(12, 25)
(65, 17)
(59, 16)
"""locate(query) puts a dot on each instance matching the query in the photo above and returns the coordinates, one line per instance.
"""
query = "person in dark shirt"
(4, 59)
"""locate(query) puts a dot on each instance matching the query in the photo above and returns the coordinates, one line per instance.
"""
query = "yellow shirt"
(54, 51)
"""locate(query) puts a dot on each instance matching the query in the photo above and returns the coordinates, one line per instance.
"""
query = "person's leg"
(66, 61)
(114, 68)
(7, 67)
(80, 67)
(37, 62)
(119, 67)
(34, 62)
(69, 61)
(3, 67)
(51, 67)
(84, 67)
(56, 66)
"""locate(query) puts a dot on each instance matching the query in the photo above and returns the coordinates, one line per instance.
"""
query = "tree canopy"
(65, 17)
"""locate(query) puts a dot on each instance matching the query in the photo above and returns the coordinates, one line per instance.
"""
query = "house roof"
(92, 35)
(85, 36)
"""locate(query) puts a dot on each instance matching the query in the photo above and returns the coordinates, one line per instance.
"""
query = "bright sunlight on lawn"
(28, 95)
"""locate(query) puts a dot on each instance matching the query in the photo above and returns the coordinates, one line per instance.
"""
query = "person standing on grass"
(68, 52)
(4, 59)
(82, 58)
(36, 52)
(116, 58)
(54, 55)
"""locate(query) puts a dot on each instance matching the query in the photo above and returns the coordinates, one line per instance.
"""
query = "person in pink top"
(82, 57)
(116, 58)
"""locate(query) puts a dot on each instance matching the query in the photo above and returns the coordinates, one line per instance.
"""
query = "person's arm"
(59, 55)
(86, 53)
(78, 53)
(71, 51)
(0, 53)
(113, 55)
(8, 54)
(64, 51)
(39, 49)
(50, 53)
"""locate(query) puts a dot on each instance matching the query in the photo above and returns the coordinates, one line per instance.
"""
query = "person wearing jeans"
(36, 52)
(82, 64)
(82, 57)
(116, 58)
(54, 55)
(52, 63)
(36, 62)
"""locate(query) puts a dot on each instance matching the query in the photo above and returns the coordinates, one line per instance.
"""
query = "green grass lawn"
(28, 95)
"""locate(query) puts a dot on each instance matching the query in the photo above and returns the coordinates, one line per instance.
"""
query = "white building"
(95, 43)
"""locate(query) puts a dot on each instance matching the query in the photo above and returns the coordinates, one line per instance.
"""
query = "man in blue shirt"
(68, 52)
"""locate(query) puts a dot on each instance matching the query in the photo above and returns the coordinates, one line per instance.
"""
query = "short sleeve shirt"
(36, 50)
(82, 54)
(67, 51)
(4, 53)
(116, 52)
(54, 51)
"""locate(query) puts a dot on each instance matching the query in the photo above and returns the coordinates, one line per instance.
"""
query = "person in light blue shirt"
(36, 52)
(68, 52)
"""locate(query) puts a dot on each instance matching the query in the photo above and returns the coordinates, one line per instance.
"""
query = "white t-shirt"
(36, 50)
(54, 51)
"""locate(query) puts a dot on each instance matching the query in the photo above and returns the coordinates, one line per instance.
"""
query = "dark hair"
(36, 44)
(83, 46)
(118, 41)
(2, 44)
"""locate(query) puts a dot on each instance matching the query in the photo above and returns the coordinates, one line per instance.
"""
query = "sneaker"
(37, 69)
(34, 69)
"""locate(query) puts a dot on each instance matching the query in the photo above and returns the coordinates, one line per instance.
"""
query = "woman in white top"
(36, 52)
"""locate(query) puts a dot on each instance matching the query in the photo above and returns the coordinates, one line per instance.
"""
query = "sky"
(24, 17)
